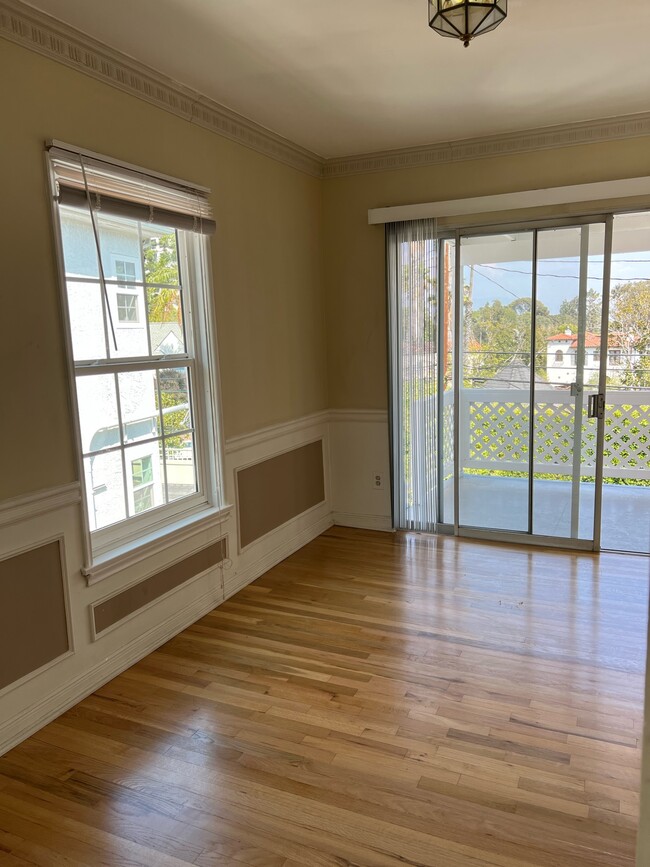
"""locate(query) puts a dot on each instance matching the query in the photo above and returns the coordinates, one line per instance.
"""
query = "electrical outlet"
(378, 481)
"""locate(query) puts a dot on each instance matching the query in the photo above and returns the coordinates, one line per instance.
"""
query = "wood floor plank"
(375, 700)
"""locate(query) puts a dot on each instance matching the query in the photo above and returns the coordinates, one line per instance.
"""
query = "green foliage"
(173, 392)
(161, 266)
(497, 333)
(568, 313)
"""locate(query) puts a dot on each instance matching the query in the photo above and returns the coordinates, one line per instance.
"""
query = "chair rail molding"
(38, 503)
(59, 41)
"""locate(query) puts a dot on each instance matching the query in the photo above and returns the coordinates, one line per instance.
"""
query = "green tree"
(630, 330)
(497, 333)
(568, 313)
(164, 305)
(161, 266)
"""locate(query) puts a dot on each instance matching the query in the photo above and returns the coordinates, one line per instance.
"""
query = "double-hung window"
(137, 299)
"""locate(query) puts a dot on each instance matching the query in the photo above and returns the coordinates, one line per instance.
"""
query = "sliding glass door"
(529, 375)
(520, 391)
(625, 522)
(494, 388)
(568, 334)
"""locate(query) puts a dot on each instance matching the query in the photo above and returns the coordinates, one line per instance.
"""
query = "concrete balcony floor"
(502, 504)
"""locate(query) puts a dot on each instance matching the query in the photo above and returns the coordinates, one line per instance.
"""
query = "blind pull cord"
(102, 278)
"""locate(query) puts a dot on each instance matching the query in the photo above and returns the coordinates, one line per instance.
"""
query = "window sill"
(127, 555)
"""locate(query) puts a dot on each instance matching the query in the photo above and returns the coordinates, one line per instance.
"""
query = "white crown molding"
(58, 41)
(29, 506)
(543, 138)
(46, 35)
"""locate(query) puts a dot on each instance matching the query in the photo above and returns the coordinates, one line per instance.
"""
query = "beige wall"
(354, 261)
(266, 260)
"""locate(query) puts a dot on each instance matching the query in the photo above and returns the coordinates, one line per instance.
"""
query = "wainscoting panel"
(273, 491)
(33, 616)
(359, 451)
(127, 602)
(290, 482)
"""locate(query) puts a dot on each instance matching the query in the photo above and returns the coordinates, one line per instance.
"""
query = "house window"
(141, 472)
(559, 356)
(125, 272)
(142, 483)
(141, 393)
(127, 307)
(615, 356)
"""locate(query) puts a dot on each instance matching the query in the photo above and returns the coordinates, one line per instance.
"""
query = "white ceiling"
(341, 77)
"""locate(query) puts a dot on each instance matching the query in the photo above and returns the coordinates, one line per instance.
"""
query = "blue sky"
(557, 279)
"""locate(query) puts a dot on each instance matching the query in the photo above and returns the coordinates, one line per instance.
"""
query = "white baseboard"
(275, 556)
(15, 730)
(363, 522)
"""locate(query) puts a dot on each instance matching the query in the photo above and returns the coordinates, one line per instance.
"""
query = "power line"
(485, 276)
(559, 276)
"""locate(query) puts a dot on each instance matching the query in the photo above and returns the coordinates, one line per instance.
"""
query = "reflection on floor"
(377, 699)
(502, 503)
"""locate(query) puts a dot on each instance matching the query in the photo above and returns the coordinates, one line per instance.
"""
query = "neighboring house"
(561, 352)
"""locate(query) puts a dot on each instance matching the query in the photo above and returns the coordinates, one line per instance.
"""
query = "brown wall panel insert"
(33, 625)
(112, 610)
(274, 491)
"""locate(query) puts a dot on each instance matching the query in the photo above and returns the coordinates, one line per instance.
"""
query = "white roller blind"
(125, 192)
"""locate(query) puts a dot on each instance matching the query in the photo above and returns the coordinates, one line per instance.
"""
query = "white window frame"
(112, 548)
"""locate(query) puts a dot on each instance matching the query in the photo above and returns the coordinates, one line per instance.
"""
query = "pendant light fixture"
(466, 19)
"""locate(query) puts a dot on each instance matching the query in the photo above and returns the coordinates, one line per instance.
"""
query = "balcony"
(493, 458)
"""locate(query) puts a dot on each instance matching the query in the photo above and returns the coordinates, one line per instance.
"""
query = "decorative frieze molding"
(544, 138)
(59, 41)
(56, 40)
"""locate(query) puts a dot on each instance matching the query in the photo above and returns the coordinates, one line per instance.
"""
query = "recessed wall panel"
(33, 622)
(132, 599)
(278, 489)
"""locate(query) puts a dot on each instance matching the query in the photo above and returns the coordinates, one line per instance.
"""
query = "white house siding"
(564, 372)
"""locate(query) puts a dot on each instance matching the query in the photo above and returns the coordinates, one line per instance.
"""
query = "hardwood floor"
(373, 700)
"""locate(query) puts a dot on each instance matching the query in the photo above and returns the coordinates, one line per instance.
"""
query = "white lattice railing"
(494, 432)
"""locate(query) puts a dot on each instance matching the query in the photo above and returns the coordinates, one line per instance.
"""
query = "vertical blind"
(412, 269)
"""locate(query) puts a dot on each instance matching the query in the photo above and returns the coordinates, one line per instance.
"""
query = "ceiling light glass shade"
(466, 19)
